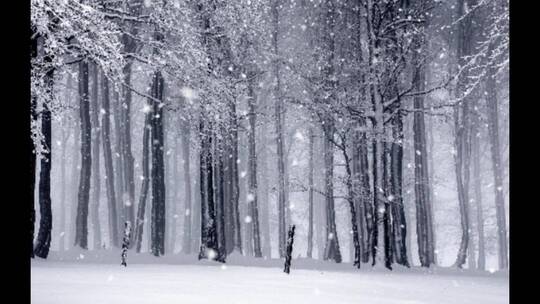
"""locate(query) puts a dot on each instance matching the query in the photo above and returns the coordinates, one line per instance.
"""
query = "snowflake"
(211, 254)
(248, 219)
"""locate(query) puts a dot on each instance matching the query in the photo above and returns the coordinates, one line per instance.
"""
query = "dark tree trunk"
(209, 240)
(253, 225)
(196, 217)
(81, 234)
(331, 250)
(43, 241)
(424, 222)
(388, 214)
(288, 254)
(74, 184)
(235, 181)
(143, 198)
(396, 180)
(108, 161)
(310, 195)
(158, 168)
(134, 7)
(128, 187)
(119, 161)
(125, 243)
(366, 198)
(96, 134)
(462, 127)
(219, 197)
(279, 132)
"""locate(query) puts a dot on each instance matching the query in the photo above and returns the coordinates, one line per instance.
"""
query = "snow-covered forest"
(354, 138)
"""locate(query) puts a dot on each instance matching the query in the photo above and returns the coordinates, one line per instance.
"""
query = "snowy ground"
(99, 279)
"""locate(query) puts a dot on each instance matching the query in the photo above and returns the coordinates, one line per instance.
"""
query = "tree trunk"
(186, 247)
(218, 192)
(424, 223)
(396, 183)
(32, 148)
(310, 194)
(197, 202)
(209, 240)
(108, 161)
(252, 195)
(119, 161)
(264, 192)
(76, 154)
(357, 251)
(158, 168)
(81, 234)
(366, 198)
(143, 198)
(96, 134)
(288, 255)
(331, 250)
(235, 196)
(279, 132)
(43, 241)
(129, 41)
(493, 129)
(128, 187)
(477, 179)
(462, 128)
(65, 138)
(62, 235)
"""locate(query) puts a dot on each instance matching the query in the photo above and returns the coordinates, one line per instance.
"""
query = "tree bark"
(279, 132)
(493, 129)
(331, 250)
(158, 167)
(462, 127)
(424, 223)
(310, 195)
(43, 241)
(81, 234)
(143, 198)
(253, 225)
(108, 162)
(95, 111)
(396, 183)
(209, 240)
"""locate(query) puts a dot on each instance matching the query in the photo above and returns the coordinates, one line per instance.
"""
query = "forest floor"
(96, 277)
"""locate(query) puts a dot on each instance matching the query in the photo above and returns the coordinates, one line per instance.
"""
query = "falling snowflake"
(146, 109)
(243, 174)
(211, 254)
(247, 219)
(250, 197)
(188, 93)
